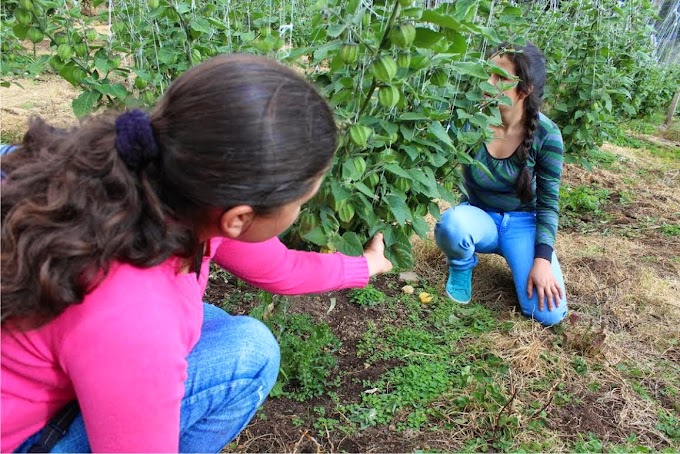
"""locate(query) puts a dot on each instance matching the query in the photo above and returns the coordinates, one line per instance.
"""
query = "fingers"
(541, 298)
(530, 287)
(557, 294)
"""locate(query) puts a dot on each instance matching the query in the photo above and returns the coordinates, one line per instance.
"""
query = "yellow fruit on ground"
(425, 297)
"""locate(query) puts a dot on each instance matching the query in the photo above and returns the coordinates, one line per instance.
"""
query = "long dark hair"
(233, 130)
(530, 68)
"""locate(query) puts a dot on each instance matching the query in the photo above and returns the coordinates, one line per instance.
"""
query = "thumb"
(377, 244)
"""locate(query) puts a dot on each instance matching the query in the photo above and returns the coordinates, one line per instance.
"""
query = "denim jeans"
(466, 229)
(6, 149)
(231, 370)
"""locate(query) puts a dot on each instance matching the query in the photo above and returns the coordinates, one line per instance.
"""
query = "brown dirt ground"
(622, 281)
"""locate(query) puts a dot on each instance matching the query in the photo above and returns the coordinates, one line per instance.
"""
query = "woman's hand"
(375, 256)
(542, 279)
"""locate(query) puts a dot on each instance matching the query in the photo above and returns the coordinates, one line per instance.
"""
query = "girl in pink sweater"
(108, 231)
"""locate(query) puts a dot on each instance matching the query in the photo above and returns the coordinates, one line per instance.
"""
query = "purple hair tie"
(135, 141)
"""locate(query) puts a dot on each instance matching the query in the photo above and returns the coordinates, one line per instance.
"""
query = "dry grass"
(48, 96)
(622, 287)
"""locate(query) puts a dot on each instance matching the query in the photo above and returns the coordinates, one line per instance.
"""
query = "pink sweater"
(122, 352)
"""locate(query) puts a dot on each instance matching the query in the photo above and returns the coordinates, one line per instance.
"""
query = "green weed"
(587, 443)
(308, 361)
(625, 140)
(671, 230)
(367, 296)
(669, 424)
(600, 158)
(583, 200)
(308, 349)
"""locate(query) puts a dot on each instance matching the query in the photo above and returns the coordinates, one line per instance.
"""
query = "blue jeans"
(231, 370)
(466, 229)
(6, 149)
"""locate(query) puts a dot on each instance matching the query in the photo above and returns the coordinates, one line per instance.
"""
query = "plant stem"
(183, 24)
(376, 54)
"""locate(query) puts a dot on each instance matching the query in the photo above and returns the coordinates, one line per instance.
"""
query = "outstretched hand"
(542, 280)
(375, 256)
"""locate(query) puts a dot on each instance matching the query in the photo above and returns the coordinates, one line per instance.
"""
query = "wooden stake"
(671, 109)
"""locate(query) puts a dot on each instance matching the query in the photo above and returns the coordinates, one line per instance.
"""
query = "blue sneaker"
(459, 285)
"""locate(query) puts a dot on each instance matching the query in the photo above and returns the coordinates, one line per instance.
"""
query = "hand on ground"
(541, 279)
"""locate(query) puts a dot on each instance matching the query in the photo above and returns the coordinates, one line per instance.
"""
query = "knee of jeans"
(549, 318)
(452, 230)
(259, 352)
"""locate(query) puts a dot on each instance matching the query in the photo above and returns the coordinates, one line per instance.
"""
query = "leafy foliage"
(308, 350)
(601, 68)
(367, 296)
(403, 79)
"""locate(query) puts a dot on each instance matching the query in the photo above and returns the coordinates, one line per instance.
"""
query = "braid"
(523, 183)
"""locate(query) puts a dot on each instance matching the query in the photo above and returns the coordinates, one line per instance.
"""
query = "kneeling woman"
(515, 213)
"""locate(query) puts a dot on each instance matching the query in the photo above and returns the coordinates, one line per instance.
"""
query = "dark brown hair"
(530, 68)
(233, 130)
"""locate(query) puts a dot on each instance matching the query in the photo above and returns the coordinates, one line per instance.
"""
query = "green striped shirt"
(497, 194)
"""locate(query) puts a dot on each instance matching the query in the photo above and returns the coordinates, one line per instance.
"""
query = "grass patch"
(672, 132)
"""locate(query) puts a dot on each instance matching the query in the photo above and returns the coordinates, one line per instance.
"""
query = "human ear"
(236, 220)
(525, 93)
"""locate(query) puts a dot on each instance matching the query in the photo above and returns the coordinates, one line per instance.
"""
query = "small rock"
(408, 276)
(408, 289)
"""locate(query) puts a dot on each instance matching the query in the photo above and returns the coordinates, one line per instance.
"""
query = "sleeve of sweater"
(271, 266)
(549, 160)
(128, 371)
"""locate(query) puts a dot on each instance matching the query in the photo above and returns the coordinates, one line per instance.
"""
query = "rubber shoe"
(459, 286)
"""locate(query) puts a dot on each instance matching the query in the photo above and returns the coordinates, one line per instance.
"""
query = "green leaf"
(119, 91)
(457, 43)
(415, 13)
(167, 56)
(426, 38)
(364, 189)
(350, 244)
(20, 30)
(317, 236)
(440, 19)
(200, 25)
(398, 207)
(413, 116)
(84, 103)
(397, 170)
(399, 253)
(336, 30)
(470, 69)
(438, 130)
(561, 107)
(420, 226)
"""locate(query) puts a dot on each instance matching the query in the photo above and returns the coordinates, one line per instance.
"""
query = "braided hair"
(529, 64)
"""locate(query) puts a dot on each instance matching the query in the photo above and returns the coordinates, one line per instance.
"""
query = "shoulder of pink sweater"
(154, 302)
